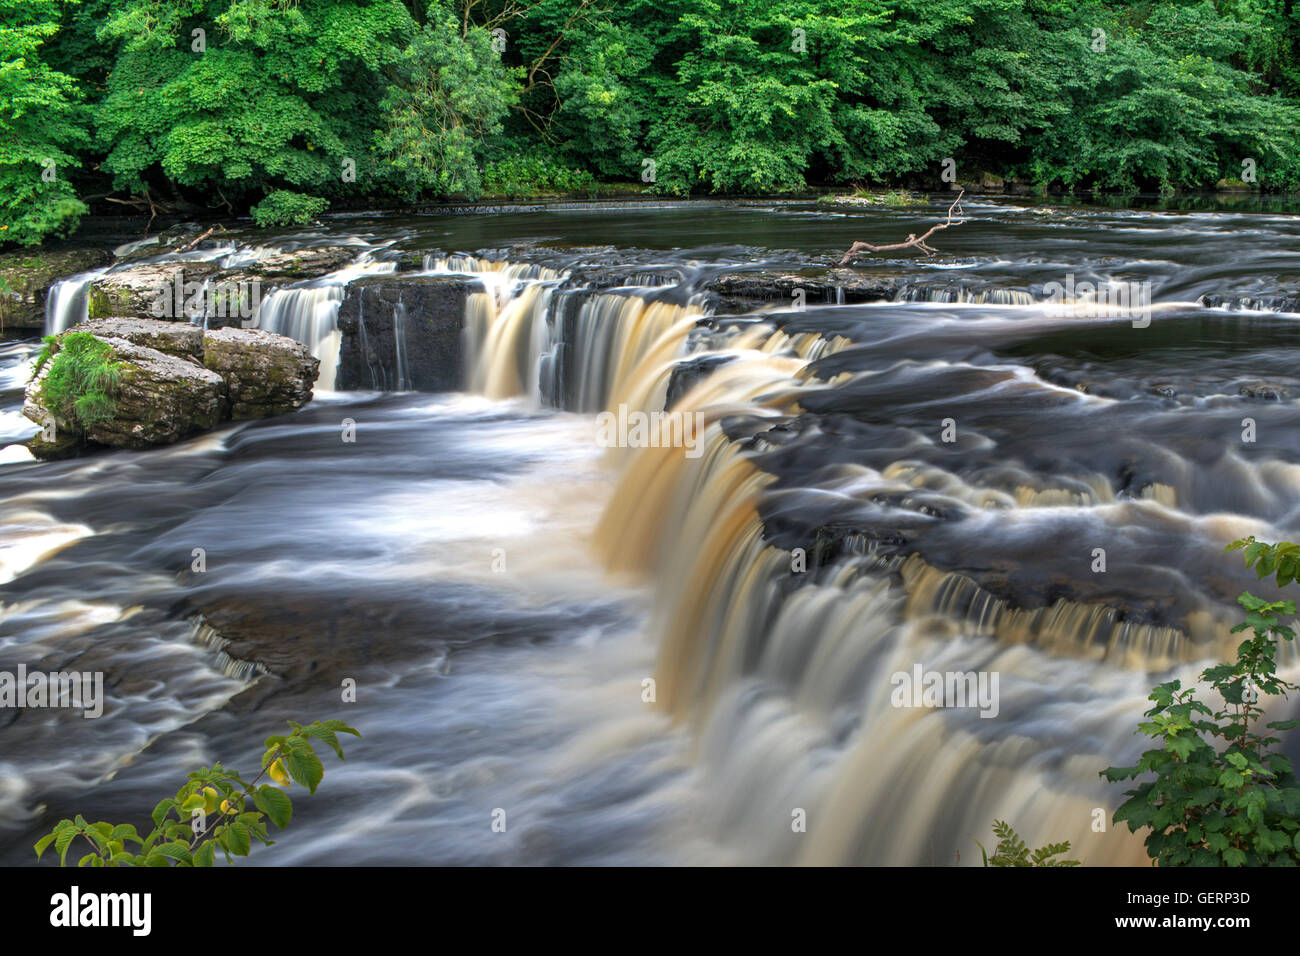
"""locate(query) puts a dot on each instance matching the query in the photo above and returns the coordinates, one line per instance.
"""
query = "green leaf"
(340, 727)
(326, 735)
(63, 841)
(178, 851)
(43, 843)
(125, 831)
(275, 803)
(160, 812)
(239, 840)
(303, 764)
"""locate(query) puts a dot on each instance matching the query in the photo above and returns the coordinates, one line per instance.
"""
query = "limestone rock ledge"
(173, 380)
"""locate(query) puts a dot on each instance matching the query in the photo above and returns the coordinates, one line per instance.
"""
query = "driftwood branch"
(195, 241)
(912, 238)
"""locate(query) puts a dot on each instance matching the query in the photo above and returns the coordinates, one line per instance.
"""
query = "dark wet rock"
(403, 332)
(1264, 302)
(831, 543)
(1264, 391)
(412, 260)
(172, 338)
(689, 373)
(298, 264)
(264, 373)
(742, 291)
(26, 277)
(61, 444)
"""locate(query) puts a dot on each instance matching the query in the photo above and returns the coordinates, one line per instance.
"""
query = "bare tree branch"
(912, 238)
(195, 241)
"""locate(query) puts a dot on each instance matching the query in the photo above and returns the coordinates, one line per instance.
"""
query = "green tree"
(447, 100)
(271, 95)
(41, 125)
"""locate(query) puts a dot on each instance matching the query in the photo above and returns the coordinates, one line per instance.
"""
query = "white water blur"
(309, 312)
(67, 301)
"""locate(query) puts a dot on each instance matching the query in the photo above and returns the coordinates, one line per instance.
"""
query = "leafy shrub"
(82, 380)
(532, 175)
(1012, 851)
(1235, 806)
(215, 810)
(286, 208)
(41, 125)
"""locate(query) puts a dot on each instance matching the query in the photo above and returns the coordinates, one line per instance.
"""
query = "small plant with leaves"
(283, 207)
(83, 378)
(1220, 797)
(1012, 851)
(215, 810)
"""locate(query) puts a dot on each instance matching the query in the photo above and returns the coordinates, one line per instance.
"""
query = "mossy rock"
(265, 374)
(152, 399)
(26, 277)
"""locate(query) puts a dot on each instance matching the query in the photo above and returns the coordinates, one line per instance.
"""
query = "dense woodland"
(289, 107)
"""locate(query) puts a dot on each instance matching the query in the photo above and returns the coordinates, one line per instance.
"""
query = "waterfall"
(399, 347)
(785, 678)
(529, 334)
(309, 313)
(953, 294)
(68, 300)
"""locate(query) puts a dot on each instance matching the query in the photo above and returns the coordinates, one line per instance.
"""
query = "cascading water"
(309, 313)
(66, 302)
(502, 587)
(529, 335)
(788, 683)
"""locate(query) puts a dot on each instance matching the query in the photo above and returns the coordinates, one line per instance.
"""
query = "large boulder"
(159, 399)
(294, 265)
(197, 289)
(403, 332)
(172, 379)
(26, 277)
(264, 373)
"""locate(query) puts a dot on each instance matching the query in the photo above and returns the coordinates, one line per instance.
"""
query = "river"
(926, 481)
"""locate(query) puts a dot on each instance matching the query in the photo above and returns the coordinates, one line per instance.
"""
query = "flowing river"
(960, 477)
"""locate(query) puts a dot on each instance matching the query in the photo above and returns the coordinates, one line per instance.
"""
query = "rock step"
(175, 380)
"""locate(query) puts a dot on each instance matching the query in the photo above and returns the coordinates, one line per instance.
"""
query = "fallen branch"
(195, 241)
(912, 238)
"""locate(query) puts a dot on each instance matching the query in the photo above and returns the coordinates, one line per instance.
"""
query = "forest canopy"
(287, 106)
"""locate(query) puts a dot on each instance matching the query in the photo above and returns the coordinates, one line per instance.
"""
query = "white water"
(309, 312)
(67, 301)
